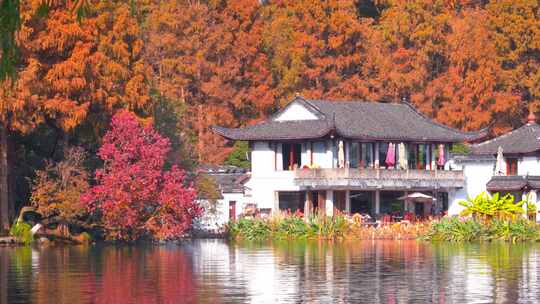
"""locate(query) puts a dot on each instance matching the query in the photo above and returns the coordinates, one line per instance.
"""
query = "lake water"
(216, 271)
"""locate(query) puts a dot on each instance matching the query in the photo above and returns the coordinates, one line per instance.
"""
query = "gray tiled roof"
(513, 183)
(522, 140)
(354, 119)
(229, 179)
(274, 130)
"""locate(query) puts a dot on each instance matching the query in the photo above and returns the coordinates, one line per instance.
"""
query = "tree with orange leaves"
(473, 92)
(207, 57)
(72, 70)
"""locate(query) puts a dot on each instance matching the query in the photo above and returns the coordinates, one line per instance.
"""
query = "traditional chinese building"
(351, 157)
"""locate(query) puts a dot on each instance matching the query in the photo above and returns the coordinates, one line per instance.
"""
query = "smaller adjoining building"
(230, 199)
(509, 163)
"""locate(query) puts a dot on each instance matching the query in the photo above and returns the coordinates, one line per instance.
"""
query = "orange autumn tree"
(473, 92)
(84, 66)
(74, 70)
(234, 62)
(434, 53)
(316, 48)
(206, 56)
(514, 27)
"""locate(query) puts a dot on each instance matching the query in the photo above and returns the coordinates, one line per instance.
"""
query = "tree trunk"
(12, 183)
(4, 267)
(4, 183)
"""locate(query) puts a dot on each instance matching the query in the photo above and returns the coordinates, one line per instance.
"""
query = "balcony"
(378, 179)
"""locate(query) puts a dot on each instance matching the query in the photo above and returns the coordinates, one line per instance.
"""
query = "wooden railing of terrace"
(378, 178)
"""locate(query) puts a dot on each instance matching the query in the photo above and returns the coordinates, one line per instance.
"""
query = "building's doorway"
(292, 154)
(291, 201)
(362, 202)
(419, 209)
(316, 202)
(390, 202)
(339, 202)
(232, 210)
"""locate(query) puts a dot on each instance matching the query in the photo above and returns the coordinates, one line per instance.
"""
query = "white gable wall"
(529, 165)
(296, 111)
(215, 217)
(477, 175)
(263, 158)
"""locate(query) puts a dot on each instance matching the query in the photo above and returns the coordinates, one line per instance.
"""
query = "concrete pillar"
(308, 207)
(348, 202)
(321, 201)
(329, 202)
(276, 202)
(406, 203)
(279, 157)
(347, 157)
(531, 197)
(309, 153)
(376, 156)
(433, 160)
(377, 201)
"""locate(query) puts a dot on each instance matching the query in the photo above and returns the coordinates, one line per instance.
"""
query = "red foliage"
(133, 193)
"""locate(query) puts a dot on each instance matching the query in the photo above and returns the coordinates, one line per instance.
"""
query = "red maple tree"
(134, 195)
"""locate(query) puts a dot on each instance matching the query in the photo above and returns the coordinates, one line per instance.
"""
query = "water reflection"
(213, 271)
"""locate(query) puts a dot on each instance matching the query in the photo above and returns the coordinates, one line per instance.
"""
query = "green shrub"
(456, 230)
(86, 237)
(249, 229)
(287, 226)
(487, 207)
(21, 230)
(513, 231)
(291, 227)
(461, 149)
(328, 226)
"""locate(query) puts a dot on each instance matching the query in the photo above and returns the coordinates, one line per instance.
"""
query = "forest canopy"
(67, 66)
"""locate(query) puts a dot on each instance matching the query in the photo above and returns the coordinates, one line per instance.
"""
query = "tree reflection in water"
(214, 271)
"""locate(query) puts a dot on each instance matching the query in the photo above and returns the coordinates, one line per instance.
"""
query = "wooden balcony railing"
(379, 178)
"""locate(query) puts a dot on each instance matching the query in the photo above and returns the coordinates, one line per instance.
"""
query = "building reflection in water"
(215, 271)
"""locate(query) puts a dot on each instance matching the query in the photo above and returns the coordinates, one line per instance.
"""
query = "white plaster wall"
(296, 111)
(279, 157)
(214, 219)
(529, 165)
(262, 159)
(264, 187)
(477, 175)
(331, 157)
(329, 202)
(305, 157)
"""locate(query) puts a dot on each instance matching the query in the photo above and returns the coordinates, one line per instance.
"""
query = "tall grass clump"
(21, 231)
(250, 229)
(328, 227)
(514, 231)
(283, 225)
(454, 230)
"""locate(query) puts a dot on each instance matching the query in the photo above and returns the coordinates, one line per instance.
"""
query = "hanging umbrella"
(402, 156)
(442, 159)
(341, 155)
(500, 168)
(391, 155)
